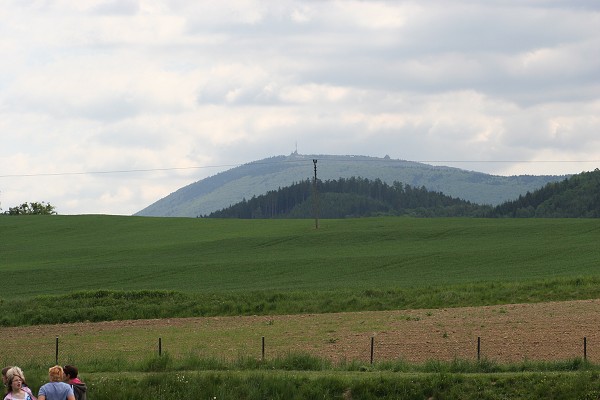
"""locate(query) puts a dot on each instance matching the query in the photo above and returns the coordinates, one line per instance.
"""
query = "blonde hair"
(56, 374)
(15, 371)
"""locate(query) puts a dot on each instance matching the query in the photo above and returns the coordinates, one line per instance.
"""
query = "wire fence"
(54, 350)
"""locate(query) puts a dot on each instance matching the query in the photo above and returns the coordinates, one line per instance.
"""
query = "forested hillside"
(575, 197)
(257, 178)
(353, 197)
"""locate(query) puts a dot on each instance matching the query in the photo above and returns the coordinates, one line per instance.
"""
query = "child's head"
(15, 384)
(15, 372)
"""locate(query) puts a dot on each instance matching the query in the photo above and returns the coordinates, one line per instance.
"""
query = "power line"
(123, 171)
(340, 159)
(508, 161)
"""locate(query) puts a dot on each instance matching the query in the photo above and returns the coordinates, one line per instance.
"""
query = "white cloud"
(374, 15)
(313, 94)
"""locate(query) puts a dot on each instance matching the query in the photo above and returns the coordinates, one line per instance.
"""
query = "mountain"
(258, 177)
(575, 197)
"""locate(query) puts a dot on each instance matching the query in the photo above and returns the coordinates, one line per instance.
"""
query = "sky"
(108, 106)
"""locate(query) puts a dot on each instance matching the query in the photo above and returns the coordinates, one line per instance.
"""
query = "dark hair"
(10, 381)
(11, 373)
(71, 370)
(4, 371)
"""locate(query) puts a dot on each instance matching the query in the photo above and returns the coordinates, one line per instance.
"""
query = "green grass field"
(95, 268)
(63, 254)
(78, 268)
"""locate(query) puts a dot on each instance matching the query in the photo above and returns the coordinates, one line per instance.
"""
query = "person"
(16, 390)
(56, 389)
(79, 387)
(12, 375)
(4, 378)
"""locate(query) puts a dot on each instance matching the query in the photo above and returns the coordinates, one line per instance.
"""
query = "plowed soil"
(507, 333)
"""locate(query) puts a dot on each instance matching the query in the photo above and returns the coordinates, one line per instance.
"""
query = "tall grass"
(108, 305)
(301, 361)
(298, 376)
(260, 386)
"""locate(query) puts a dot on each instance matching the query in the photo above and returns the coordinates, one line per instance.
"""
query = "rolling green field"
(62, 254)
(95, 268)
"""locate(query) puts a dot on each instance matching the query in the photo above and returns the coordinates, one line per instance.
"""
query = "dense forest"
(352, 197)
(575, 197)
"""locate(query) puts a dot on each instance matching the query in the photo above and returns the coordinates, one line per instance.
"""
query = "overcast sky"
(180, 90)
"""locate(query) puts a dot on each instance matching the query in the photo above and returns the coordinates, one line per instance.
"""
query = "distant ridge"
(575, 197)
(258, 177)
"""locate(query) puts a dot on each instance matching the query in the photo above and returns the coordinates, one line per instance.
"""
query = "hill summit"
(258, 177)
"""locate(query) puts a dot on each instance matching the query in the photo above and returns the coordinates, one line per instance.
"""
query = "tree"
(34, 208)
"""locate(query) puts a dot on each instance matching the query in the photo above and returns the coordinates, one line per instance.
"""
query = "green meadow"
(63, 254)
(96, 267)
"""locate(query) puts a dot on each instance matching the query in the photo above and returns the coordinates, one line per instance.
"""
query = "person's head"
(70, 371)
(4, 377)
(56, 374)
(15, 384)
(16, 372)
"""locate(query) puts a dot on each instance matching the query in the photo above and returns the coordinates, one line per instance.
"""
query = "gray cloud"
(117, 7)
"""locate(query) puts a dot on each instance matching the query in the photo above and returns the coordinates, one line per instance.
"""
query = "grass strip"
(112, 305)
(255, 385)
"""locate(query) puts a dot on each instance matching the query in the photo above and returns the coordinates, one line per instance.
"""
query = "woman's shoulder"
(55, 385)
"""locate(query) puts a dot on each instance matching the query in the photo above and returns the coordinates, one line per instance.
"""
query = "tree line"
(32, 208)
(349, 197)
(575, 197)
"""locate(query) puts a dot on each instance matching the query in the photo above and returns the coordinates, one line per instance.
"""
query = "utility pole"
(315, 197)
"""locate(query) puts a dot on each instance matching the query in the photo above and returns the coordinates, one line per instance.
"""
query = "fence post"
(56, 357)
(159, 347)
(478, 348)
(372, 347)
(584, 348)
(262, 357)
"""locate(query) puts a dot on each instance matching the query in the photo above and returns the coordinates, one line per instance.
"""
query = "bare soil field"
(508, 333)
